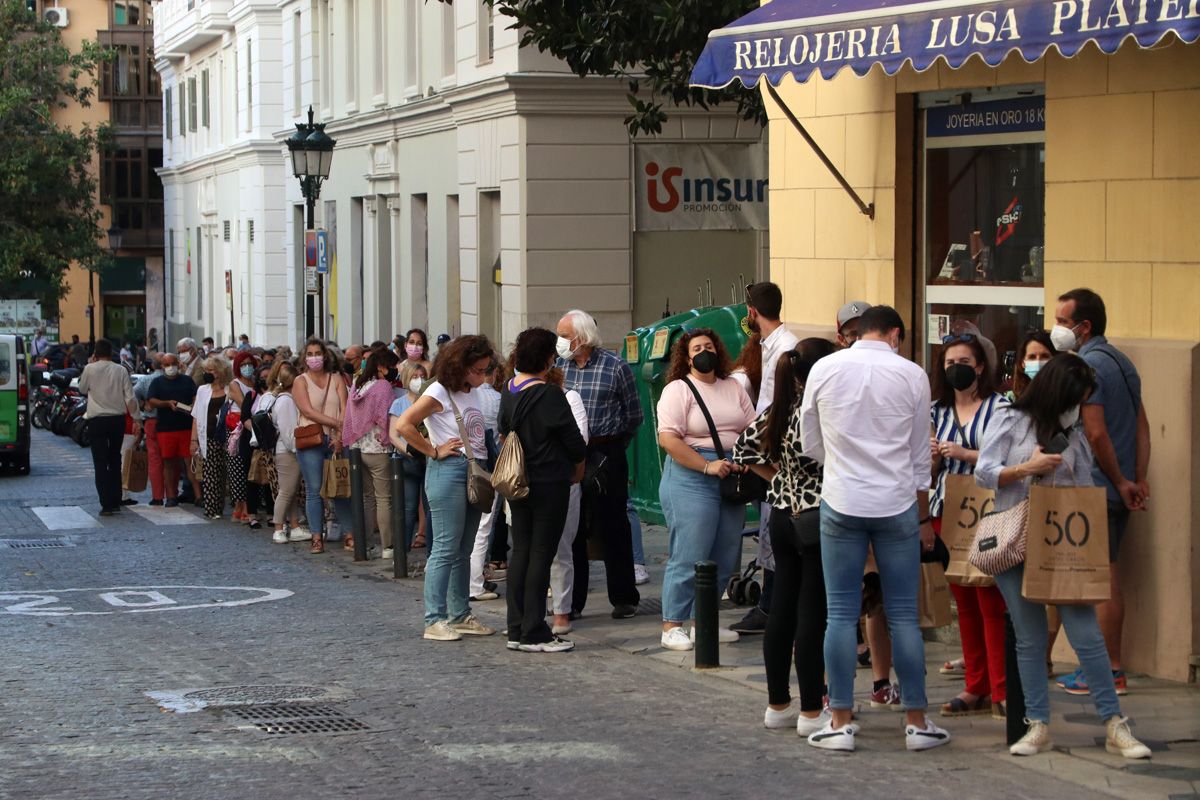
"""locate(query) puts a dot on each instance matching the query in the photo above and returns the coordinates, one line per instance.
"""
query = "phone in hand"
(1058, 445)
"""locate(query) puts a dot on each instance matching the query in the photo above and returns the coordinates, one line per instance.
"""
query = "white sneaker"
(1121, 741)
(483, 597)
(511, 645)
(831, 738)
(640, 575)
(806, 726)
(924, 738)
(724, 635)
(676, 639)
(279, 537)
(471, 626)
(781, 719)
(388, 553)
(441, 631)
(561, 630)
(299, 535)
(1035, 740)
(555, 645)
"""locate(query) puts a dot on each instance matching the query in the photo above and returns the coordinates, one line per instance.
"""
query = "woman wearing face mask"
(259, 496)
(281, 407)
(1012, 456)
(462, 367)
(702, 526)
(1033, 353)
(240, 390)
(416, 349)
(412, 377)
(964, 405)
(320, 395)
(366, 430)
(210, 434)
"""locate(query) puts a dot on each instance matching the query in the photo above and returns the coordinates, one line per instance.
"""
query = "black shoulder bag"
(736, 487)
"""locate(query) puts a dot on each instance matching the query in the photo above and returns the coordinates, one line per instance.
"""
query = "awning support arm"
(866, 208)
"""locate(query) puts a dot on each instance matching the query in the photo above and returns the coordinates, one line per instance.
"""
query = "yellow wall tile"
(1090, 138)
(842, 231)
(871, 149)
(1176, 301)
(1126, 289)
(1015, 69)
(812, 290)
(849, 94)
(1153, 221)
(1176, 129)
(909, 80)
(801, 98)
(792, 226)
(1084, 74)
(873, 281)
(804, 169)
(1132, 69)
(973, 74)
(1075, 221)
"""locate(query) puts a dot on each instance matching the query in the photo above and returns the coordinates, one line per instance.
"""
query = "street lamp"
(311, 150)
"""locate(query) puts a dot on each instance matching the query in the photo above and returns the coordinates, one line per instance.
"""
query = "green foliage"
(652, 43)
(48, 204)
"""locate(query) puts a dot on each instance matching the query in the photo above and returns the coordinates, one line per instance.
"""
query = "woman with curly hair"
(702, 526)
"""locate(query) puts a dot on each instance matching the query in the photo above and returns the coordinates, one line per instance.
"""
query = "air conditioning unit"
(56, 17)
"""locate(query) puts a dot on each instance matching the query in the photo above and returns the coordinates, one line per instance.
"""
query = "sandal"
(961, 708)
(255, 524)
(418, 542)
(348, 542)
(318, 545)
(956, 667)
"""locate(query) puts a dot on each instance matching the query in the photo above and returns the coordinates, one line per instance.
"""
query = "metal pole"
(1014, 702)
(707, 656)
(400, 541)
(356, 505)
(310, 202)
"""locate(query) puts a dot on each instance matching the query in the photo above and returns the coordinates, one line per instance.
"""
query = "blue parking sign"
(322, 252)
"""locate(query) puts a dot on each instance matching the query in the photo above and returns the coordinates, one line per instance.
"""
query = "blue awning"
(798, 37)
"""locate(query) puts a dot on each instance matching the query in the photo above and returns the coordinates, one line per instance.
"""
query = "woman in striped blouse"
(964, 403)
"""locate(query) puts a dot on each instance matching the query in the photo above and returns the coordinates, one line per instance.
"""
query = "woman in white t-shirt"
(278, 403)
(462, 366)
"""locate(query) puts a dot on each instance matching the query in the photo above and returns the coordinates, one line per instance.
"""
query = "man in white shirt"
(110, 397)
(865, 417)
(764, 307)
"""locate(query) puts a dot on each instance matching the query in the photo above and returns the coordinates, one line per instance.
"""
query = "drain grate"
(288, 719)
(243, 695)
(32, 544)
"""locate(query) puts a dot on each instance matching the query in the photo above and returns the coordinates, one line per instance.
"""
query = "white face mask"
(414, 385)
(563, 347)
(171, 372)
(185, 356)
(1068, 418)
(1063, 338)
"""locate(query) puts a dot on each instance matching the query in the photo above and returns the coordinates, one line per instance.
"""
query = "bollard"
(399, 542)
(356, 505)
(705, 611)
(1014, 703)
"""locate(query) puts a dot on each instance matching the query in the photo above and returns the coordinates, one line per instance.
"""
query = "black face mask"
(209, 377)
(961, 376)
(348, 369)
(704, 362)
(391, 375)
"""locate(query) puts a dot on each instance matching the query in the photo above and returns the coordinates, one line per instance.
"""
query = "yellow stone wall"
(1122, 194)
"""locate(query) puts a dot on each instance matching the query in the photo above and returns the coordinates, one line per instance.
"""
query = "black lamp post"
(312, 154)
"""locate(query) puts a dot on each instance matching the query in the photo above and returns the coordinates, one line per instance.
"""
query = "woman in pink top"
(701, 525)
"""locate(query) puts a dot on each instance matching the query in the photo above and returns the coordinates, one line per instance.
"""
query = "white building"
(476, 186)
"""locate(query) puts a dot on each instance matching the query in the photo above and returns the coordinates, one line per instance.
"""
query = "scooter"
(77, 425)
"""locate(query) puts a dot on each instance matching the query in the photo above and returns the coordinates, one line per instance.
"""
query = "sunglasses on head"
(954, 338)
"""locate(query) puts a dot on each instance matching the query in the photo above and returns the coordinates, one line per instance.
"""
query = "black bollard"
(399, 543)
(1014, 704)
(356, 505)
(707, 597)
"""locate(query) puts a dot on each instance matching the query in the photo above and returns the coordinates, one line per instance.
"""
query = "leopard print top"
(797, 484)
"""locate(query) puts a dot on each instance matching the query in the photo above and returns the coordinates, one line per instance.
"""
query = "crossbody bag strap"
(462, 428)
(712, 428)
(1132, 399)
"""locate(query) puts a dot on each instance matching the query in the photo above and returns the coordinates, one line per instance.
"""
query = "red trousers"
(981, 628)
(154, 459)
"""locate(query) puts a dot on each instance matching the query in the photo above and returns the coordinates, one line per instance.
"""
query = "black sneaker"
(755, 621)
(109, 512)
(156, 502)
(490, 586)
(624, 612)
(129, 501)
(171, 502)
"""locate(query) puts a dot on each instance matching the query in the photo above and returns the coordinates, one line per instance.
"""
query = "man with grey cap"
(847, 321)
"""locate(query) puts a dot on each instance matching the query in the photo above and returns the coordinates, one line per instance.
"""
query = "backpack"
(266, 435)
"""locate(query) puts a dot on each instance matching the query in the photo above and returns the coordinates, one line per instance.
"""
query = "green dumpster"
(648, 352)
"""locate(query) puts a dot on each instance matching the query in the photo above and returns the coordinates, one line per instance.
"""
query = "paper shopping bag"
(135, 469)
(964, 504)
(933, 600)
(259, 468)
(1066, 555)
(336, 481)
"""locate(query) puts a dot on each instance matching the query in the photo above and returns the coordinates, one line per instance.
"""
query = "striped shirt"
(609, 393)
(970, 436)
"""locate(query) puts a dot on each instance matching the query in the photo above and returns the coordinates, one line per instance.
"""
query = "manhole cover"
(31, 544)
(288, 719)
(248, 695)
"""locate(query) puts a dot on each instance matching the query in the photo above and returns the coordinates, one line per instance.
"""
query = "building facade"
(476, 186)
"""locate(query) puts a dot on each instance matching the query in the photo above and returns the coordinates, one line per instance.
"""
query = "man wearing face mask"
(170, 396)
(865, 418)
(1115, 422)
(190, 359)
(605, 383)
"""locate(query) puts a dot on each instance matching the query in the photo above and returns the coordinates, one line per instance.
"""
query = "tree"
(652, 43)
(49, 216)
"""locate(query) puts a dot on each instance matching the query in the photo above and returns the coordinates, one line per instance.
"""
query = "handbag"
(736, 487)
(481, 495)
(510, 478)
(312, 435)
(1000, 540)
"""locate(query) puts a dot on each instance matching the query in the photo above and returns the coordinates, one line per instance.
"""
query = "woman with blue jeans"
(320, 395)
(1012, 456)
(447, 407)
(702, 526)
(412, 462)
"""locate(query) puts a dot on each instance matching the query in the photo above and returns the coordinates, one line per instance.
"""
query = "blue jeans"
(414, 476)
(312, 469)
(452, 527)
(635, 531)
(1083, 631)
(896, 542)
(701, 527)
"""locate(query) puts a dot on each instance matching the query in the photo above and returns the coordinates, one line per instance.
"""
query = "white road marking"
(65, 518)
(161, 515)
(43, 603)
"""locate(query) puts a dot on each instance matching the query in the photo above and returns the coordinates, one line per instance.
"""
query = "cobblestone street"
(98, 616)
